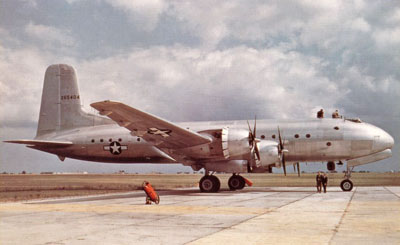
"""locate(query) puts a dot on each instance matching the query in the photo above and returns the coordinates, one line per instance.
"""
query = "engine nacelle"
(268, 153)
(237, 142)
(233, 166)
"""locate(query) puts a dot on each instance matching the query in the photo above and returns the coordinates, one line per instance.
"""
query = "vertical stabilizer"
(61, 105)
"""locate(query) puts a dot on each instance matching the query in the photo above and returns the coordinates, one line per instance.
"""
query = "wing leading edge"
(46, 143)
(153, 129)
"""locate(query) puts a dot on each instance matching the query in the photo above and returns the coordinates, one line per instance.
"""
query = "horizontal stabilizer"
(41, 143)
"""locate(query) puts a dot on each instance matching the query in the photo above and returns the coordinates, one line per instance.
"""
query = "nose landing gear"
(347, 184)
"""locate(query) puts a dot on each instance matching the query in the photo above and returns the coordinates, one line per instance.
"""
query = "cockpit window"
(356, 120)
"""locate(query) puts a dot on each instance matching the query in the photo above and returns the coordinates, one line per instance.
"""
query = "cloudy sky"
(201, 60)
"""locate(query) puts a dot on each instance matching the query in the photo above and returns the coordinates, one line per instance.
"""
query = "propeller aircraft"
(123, 134)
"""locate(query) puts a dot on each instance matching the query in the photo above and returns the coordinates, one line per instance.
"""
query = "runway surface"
(367, 215)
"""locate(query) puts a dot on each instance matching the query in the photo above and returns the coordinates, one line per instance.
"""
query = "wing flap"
(153, 129)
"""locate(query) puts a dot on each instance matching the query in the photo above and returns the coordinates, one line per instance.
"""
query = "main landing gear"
(346, 184)
(210, 183)
(236, 182)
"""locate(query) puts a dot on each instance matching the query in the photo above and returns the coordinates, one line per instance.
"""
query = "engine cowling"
(269, 153)
(237, 142)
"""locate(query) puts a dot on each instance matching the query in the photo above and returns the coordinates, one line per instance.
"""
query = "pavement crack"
(335, 231)
(391, 191)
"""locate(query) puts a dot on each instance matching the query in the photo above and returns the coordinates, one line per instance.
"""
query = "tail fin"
(61, 104)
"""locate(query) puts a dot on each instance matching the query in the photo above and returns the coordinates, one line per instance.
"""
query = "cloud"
(201, 85)
(21, 84)
(144, 14)
(50, 35)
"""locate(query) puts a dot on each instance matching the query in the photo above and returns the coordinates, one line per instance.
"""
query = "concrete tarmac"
(279, 215)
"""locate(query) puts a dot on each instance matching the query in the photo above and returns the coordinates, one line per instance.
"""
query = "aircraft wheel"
(346, 185)
(157, 201)
(209, 183)
(236, 182)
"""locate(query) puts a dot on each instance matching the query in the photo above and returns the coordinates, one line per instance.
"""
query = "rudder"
(61, 105)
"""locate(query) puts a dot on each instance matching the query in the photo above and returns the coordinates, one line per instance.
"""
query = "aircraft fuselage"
(306, 140)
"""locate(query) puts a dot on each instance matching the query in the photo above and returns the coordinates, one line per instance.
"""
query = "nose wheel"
(236, 182)
(209, 183)
(347, 184)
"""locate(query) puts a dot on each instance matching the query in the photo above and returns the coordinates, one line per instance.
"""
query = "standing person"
(324, 181)
(318, 179)
(336, 114)
(320, 113)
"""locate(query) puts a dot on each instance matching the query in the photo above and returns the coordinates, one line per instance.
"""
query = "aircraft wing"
(153, 129)
(46, 143)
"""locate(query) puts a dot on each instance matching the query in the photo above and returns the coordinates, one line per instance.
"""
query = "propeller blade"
(298, 168)
(248, 124)
(255, 125)
(257, 152)
(284, 164)
(280, 139)
(251, 136)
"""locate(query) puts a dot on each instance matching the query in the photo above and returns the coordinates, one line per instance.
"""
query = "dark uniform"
(320, 114)
(318, 179)
(324, 182)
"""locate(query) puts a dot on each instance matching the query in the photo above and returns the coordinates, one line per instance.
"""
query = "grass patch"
(35, 186)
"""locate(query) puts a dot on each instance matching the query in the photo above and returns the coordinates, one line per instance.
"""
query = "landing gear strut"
(236, 182)
(209, 183)
(346, 184)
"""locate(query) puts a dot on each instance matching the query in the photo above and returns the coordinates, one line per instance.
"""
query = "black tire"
(346, 185)
(209, 183)
(236, 182)
(216, 182)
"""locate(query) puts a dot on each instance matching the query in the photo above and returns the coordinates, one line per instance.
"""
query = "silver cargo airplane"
(128, 135)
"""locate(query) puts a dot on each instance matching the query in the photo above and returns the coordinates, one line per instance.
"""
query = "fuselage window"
(92, 140)
(119, 139)
(328, 143)
(336, 128)
(308, 135)
(262, 136)
(296, 136)
(110, 140)
(273, 136)
(101, 140)
(138, 139)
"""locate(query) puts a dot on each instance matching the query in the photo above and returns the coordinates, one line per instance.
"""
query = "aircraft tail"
(61, 102)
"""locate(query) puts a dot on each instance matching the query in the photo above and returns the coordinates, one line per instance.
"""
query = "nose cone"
(383, 141)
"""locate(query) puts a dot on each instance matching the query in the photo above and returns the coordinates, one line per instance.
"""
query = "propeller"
(282, 151)
(253, 143)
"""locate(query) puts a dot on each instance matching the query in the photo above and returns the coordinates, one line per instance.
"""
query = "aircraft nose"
(384, 141)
